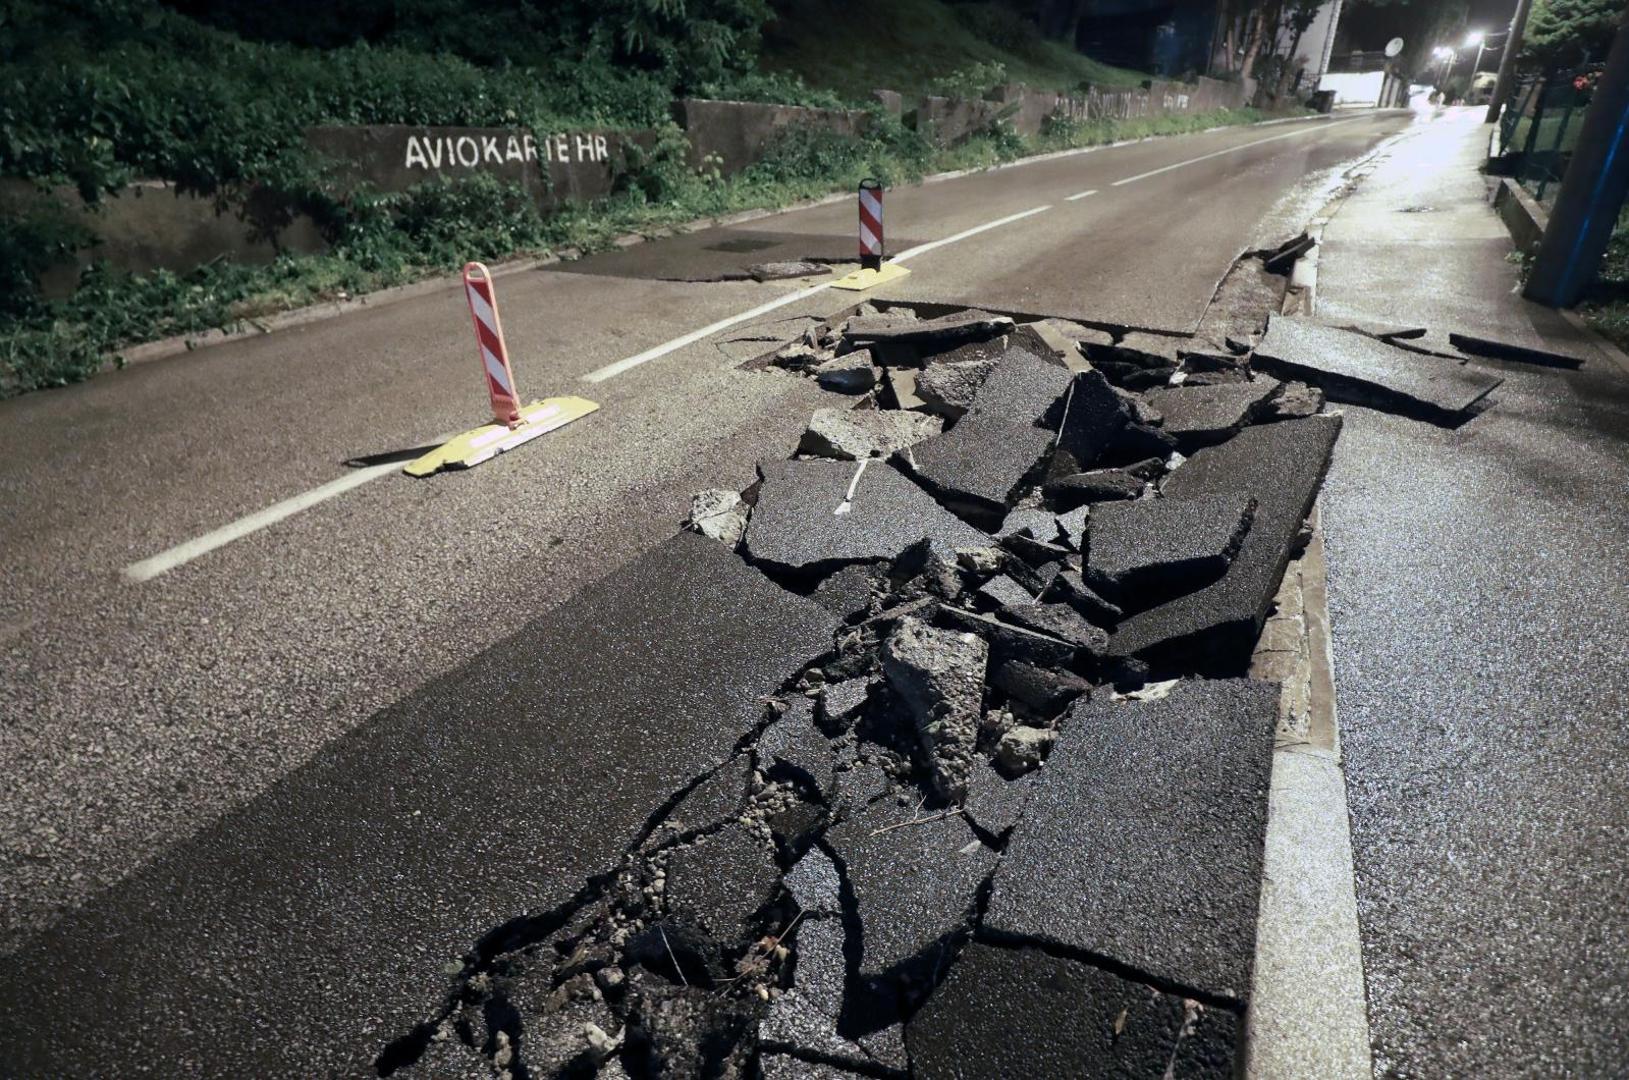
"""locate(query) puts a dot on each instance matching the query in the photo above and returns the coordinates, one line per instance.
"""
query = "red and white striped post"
(483, 311)
(871, 246)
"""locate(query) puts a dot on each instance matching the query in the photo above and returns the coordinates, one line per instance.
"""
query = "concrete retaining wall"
(1521, 213)
(733, 134)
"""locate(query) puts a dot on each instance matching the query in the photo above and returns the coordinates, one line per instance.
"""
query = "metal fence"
(1540, 127)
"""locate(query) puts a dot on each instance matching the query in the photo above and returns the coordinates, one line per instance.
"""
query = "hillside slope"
(854, 46)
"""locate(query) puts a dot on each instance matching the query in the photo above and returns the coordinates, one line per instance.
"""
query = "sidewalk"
(1476, 595)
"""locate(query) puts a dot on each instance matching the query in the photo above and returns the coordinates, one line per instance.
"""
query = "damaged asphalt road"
(835, 754)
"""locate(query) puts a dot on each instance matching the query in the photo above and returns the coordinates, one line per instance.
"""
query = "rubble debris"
(1094, 416)
(914, 875)
(1293, 402)
(1061, 339)
(851, 373)
(1212, 630)
(787, 1067)
(939, 675)
(1238, 312)
(947, 389)
(1037, 553)
(1022, 749)
(852, 434)
(572, 1041)
(792, 742)
(1043, 691)
(1037, 523)
(901, 383)
(1137, 361)
(1070, 588)
(1281, 260)
(1098, 485)
(1061, 621)
(1147, 551)
(720, 883)
(1204, 415)
(802, 355)
(841, 702)
(1359, 370)
(978, 466)
(1019, 1012)
(1145, 835)
(846, 591)
(1010, 642)
(1510, 350)
(1003, 591)
(1023, 389)
(720, 514)
(969, 325)
(813, 515)
(685, 1032)
(781, 271)
(1142, 441)
(1073, 523)
(994, 803)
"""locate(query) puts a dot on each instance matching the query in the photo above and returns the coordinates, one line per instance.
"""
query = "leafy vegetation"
(1607, 306)
(1567, 33)
(909, 45)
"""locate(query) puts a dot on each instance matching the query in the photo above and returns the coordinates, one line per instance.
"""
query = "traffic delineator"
(513, 424)
(873, 270)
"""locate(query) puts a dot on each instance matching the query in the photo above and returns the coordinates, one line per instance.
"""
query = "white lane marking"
(1230, 150)
(611, 371)
(1081, 195)
(147, 569)
(922, 249)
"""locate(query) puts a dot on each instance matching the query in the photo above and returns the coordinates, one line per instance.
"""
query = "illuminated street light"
(1473, 38)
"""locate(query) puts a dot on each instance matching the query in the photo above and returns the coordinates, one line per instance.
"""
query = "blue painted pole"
(1592, 192)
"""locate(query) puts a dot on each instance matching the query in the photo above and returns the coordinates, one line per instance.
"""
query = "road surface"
(138, 712)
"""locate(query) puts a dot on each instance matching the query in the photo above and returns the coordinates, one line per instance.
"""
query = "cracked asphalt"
(133, 716)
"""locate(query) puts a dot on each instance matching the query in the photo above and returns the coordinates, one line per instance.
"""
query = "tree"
(1567, 33)
(1298, 19)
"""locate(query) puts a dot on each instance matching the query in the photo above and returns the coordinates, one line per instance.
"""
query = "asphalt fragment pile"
(984, 833)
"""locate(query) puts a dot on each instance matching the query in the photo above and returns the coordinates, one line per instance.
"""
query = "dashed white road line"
(147, 569)
(656, 352)
(1229, 150)
(1081, 195)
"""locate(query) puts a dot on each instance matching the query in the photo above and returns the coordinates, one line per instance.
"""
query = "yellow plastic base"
(485, 443)
(870, 279)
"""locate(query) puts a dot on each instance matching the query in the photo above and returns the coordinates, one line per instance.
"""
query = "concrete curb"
(164, 348)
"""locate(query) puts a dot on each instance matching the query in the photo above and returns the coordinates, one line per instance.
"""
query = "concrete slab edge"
(179, 344)
(1309, 1008)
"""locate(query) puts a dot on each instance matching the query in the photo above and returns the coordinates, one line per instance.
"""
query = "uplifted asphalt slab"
(1143, 838)
(1356, 368)
(316, 924)
(1279, 465)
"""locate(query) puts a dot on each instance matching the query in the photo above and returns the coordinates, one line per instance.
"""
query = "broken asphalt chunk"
(804, 1018)
(780, 271)
(710, 803)
(808, 518)
(1214, 628)
(1147, 551)
(1023, 389)
(1061, 621)
(792, 742)
(1041, 690)
(1294, 402)
(1094, 416)
(1359, 370)
(914, 876)
(684, 1032)
(1098, 485)
(939, 675)
(815, 884)
(720, 514)
(852, 373)
(978, 466)
(969, 325)
(1070, 587)
(995, 804)
(1510, 350)
(947, 389)
(720, 883)
(1007, 641)
(1203, 415)
(1144, 837)
(1018, 1012)
(852, 434)
(1003, 591)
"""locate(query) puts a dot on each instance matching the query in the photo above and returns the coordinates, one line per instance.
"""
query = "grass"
(433, 230)
(855, 46)
(1607, 308)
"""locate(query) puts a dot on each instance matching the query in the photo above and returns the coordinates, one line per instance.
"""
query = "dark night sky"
(1370, 26)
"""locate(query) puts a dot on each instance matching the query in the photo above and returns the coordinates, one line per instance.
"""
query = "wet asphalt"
(1476, 581)
(134, 716)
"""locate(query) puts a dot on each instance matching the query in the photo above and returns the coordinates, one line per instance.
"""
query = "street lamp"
(1480, 40)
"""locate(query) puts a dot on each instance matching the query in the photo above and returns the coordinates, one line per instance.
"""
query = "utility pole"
(1507, 62)
(1592, 192)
